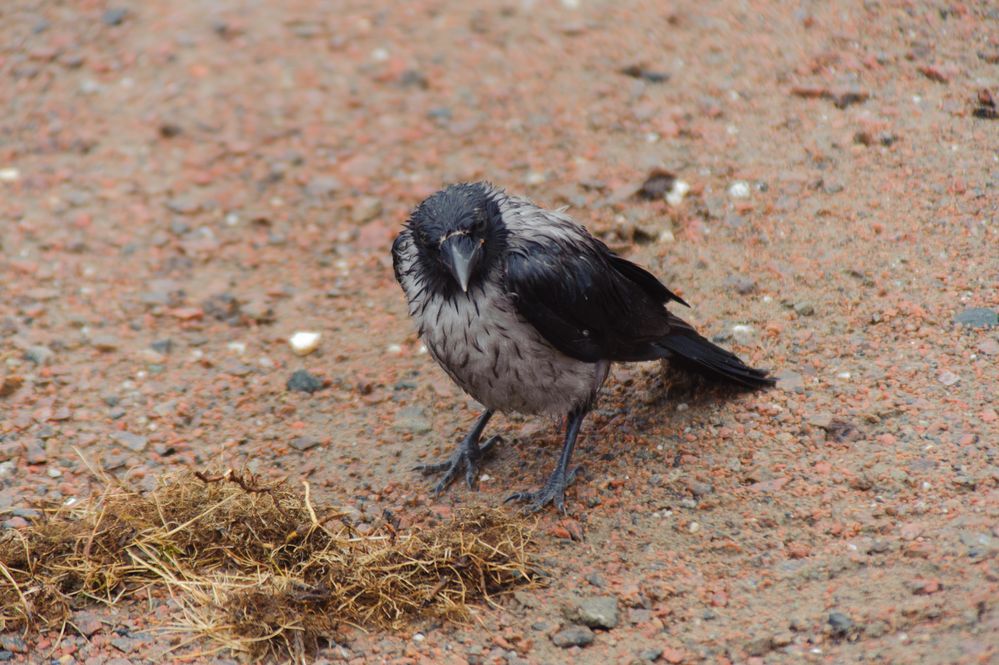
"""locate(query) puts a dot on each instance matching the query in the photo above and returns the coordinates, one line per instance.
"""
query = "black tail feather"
(693, 352)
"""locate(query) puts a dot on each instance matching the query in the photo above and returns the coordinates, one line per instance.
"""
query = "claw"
(553, 492)
(465, 457)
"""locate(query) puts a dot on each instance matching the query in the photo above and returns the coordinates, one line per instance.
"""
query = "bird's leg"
(467, 456)
(553, 491)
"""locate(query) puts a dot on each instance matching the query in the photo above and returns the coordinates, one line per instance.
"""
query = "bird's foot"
(552, 493)
(468, 456)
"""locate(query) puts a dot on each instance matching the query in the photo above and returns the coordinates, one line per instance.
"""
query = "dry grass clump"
(256, 567)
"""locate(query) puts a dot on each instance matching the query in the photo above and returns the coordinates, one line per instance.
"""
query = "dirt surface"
(185, 184)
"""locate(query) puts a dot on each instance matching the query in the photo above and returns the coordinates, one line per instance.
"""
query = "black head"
(459, 234)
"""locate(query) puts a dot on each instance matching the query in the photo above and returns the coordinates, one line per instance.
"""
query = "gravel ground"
(184, 185)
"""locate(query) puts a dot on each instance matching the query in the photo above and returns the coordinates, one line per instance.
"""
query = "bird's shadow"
(634, 403)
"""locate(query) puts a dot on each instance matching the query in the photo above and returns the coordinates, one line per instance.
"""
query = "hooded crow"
(526, 311)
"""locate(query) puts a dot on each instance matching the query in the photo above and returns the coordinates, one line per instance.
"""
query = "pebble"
(739, 189)
(303, 443)
(743, 285)
(114, 16)
(88, 623)
(978, 317)
(645, 74)
(790, 381)
(657, 185)
(35, 454)
(989, 347)
(821, 419)
(134, 442)
(573, 636)
(322, 187)
(698, 488)
(948, 378)
(13, 643)
(743, 334)
(104, 342)
(366, 210)
(124, 644)
(10, 384)
(804, 309)
(597, 612)
(9, 174)
(258, 310)
(183, 205)
(303, 343)
(303, 381)
(677, 193)
(759, 646)
(840, 624)
(40, 355)
(412, 419)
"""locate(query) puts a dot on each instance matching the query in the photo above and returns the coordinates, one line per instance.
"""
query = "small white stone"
(843, 375)
(739, 189)
(682, 406)
(232, 219)
(485, 477)
(666, 236)
(535, 178)
(422, 349)
(570, 4)
(380, 55)
(694, 527)
(237, 347)
(53, 473)
(266, 362)
(9, 174)
(419, 637)
(303, 343)
(742, 333)
(677, 192)
(394, 348)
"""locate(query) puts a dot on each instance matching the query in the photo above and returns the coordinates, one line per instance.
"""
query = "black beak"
(461, 254)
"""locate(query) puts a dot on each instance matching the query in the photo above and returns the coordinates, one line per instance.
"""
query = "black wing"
(589, 303)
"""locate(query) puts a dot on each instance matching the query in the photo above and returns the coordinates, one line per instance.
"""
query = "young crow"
(526, 311)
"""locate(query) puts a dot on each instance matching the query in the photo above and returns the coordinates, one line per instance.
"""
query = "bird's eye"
(479, 224)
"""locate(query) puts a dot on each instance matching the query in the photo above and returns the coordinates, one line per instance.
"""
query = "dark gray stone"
(840, 624)
(978, 317)
(114, 16)
(303, 381)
